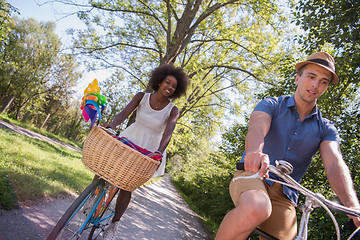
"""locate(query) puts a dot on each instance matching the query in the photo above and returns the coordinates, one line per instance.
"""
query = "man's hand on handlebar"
(257, 162)
(356, 221)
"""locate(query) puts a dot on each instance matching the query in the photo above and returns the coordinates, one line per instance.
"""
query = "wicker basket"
(115, 162)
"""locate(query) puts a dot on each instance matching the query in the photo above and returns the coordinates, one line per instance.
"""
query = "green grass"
(5, 118)
(209, 225)
(31, 169)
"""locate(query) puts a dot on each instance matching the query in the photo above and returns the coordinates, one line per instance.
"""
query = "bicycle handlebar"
(283, 168)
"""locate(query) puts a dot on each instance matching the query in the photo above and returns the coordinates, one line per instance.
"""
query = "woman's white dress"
(148, 127)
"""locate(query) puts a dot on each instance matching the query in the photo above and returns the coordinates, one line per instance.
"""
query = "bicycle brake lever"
(255, 176)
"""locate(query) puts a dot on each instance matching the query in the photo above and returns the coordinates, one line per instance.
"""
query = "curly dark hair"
(160, 73)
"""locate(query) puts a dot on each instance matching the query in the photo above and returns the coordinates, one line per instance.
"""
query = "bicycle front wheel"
(76, 220)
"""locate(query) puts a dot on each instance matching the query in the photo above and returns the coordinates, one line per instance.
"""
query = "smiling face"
(168, 86)
(312, 81)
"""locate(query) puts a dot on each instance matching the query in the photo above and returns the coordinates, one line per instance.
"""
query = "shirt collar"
(291, 103)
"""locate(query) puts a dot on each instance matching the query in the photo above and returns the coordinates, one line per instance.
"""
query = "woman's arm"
(130, 107)
(170, 126)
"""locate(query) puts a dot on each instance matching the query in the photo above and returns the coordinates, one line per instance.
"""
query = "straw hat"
(322, 59)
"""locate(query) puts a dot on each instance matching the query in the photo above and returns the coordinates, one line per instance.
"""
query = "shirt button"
(288, 148)
(295, 133)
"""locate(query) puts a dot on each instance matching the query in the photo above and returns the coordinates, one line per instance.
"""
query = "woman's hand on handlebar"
(111, 128)
(108, 125)
(257, 162)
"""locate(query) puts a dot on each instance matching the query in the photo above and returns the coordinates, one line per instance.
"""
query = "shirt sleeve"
(268, 105)
(330, 132)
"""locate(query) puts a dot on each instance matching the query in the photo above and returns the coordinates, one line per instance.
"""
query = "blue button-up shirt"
(291, 139)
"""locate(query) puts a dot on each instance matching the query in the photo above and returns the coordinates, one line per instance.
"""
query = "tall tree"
(6, 10)
(118, 93)
(29, 53)
(335, 22)
(33, 65)
(224, 45)
(335, 25)
(57, 97)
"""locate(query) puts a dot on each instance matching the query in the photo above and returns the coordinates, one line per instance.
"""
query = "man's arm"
(255, 159)
(338, 175)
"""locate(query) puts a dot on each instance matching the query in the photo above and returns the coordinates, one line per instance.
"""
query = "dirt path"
(156, 211)
(32, 134)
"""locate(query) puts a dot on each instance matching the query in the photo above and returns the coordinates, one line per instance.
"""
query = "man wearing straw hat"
(289, 128)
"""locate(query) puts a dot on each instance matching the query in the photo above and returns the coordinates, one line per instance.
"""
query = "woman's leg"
(122, 203)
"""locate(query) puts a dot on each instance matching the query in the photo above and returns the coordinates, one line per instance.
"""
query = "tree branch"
(118, 44)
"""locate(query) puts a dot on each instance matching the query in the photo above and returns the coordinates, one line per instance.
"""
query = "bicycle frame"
(313, 200)
(88, 213)
(96, 219)
(96, 206)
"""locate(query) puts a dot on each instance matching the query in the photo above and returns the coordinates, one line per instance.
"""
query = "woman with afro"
(155, 122)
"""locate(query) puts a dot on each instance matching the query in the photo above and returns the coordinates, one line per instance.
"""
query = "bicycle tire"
(86, 199)
(105, 215)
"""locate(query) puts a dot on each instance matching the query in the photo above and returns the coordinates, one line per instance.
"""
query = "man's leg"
(253, 207)
(282, 223)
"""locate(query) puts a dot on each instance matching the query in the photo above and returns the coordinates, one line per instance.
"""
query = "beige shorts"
(282, 223)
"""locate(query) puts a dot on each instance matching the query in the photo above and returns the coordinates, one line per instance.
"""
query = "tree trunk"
(45, 121)
(26, 116)
(24, 119)
(7, 105)
(56, 131)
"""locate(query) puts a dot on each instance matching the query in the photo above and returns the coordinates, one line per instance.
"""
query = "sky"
(46, 12)
(56, 12)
